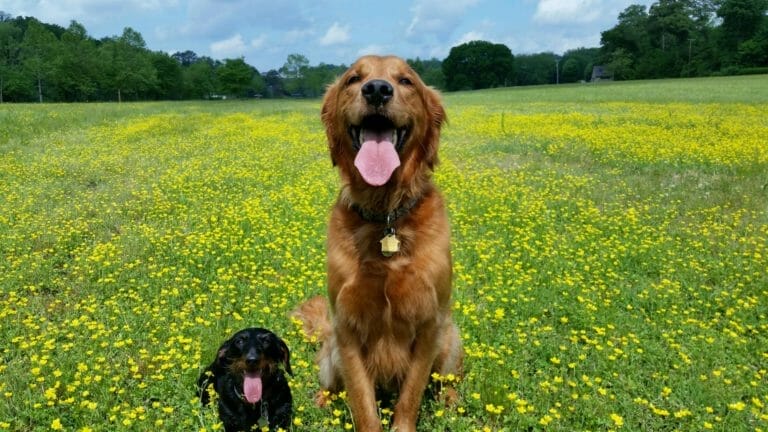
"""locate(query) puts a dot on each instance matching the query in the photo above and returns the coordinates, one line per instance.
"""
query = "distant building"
(601, 73)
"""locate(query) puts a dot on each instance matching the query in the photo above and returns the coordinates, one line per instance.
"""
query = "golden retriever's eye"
(405, 81)
(353, 79)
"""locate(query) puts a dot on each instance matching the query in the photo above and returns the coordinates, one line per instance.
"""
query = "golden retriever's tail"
(314, 318)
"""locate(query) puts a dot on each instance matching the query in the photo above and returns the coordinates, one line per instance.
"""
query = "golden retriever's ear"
(437, 118)
(435, 106)
(328, 116)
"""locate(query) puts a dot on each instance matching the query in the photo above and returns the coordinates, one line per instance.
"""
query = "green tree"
(293, 72)
(478, 65)
(37, 50)
(75, 65)
(535, 69)
(236, 77)
(10, 42)
(630, 35)
(431, 71)
(620, 64)
(129, 70)
(199, 79)
(577, 64)
(742, 22)
(671, 24)
(318, 77)
(274, 84)
(169, 77)
(185, 58)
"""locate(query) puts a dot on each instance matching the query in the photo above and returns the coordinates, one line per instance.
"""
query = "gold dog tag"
(390, 245)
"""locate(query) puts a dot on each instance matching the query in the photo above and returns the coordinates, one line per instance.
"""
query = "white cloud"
(258, 42)
(62, 11)
(436, 17)
(469, 37)
(297, 35)
(232, 47)
(335, 35)
(557, 43)
(568, 11)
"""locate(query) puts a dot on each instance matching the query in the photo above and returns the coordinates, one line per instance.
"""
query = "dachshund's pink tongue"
(377, 158)
(252, 387)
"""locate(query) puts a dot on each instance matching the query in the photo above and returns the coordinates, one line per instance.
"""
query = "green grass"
(610, 249)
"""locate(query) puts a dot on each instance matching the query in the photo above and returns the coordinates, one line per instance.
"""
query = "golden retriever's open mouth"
(378, 143)
(377, 125)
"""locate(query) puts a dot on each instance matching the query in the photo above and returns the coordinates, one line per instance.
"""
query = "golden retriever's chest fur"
(384, 319)
(383, 303)
(381, 296)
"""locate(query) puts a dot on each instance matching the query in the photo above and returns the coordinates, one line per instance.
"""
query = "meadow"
(610, 248)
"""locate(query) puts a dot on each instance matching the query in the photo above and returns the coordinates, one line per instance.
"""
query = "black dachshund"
(252, 389)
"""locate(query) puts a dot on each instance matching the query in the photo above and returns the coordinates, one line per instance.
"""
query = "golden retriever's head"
(383, 124)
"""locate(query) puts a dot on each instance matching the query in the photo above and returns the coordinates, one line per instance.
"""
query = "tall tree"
(629, 38)
(236, 77)
(535, 69)
(274, 83)
(129, 68)
(200, 79)
(671, 24)
(742, 21)
(37, 49)
(317, 78)
(577, 64)
(294, 72)
(10, 37)
(478, 65)
(186, 58)
(169, 77)
(431, 71)
(75, 65)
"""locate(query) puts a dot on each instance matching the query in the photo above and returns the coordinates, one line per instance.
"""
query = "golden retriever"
(388, 250)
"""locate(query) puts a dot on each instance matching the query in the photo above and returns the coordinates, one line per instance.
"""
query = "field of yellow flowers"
(610, 257)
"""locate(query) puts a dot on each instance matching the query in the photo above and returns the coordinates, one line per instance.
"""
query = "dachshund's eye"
(239, 342)
(353, 79)
(405, 81)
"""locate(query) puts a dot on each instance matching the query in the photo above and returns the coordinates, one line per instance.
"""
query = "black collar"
(386, 218)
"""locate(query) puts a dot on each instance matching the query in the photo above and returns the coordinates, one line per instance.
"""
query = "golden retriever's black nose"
(377, 92)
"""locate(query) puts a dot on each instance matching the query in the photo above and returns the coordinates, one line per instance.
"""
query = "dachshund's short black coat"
(252, 352)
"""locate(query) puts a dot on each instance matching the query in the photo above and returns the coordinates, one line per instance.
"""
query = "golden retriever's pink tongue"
(377, 158)
(252, 387)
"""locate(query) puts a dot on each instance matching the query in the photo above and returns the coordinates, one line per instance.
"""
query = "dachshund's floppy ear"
(216, 369)
(328, 115)
(286, 359)
(221, 354)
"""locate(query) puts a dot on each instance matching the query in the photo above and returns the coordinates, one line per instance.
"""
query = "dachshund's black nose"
(377, 92)
(252, 360)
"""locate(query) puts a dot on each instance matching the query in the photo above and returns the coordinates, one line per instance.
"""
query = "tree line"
(46, 62)
(671, 38)
(681, 38)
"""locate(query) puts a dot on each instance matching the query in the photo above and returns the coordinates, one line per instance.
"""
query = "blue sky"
(265, 32)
